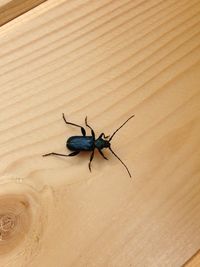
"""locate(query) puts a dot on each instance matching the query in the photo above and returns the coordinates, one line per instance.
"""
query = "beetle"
(89, 143)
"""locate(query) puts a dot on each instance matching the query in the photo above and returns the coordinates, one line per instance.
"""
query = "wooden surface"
(194, 261)
(107, 60)
(10, 9)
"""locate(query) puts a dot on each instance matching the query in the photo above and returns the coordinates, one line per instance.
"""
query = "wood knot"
(7, 224)
(15, 218)
(23, 219)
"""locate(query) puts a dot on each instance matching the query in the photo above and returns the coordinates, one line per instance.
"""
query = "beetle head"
(106, 143)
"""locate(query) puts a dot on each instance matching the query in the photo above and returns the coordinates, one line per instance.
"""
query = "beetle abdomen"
(80, 143)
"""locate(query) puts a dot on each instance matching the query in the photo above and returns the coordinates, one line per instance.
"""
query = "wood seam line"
(16, 8)
(191, 258)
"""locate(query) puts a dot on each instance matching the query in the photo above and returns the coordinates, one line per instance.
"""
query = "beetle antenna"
(121, 161)
(120, 127)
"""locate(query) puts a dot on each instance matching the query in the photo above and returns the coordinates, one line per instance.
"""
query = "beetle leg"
(91, 158)
(102, 154)
(67, 122)
(64, 155)
(92, 131)
(103, 134)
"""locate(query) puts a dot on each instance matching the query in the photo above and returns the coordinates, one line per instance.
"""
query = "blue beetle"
(89, 143)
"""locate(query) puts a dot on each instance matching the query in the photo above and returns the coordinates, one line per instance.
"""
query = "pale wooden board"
(107, 60)
(10, 9)
(4, 2)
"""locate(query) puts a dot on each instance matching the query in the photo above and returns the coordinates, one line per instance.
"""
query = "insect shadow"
(89, 143)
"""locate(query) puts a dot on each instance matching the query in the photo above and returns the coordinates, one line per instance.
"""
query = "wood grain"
(107, 60)
(10, 9)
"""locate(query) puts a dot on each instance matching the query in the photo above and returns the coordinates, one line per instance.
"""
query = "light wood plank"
(107, 60)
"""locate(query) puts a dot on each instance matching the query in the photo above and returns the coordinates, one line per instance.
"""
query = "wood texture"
(107, 60)
(12, 9)
(194, 261)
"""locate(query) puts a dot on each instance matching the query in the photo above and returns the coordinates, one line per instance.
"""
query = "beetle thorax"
(100, 143)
